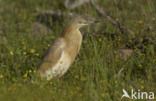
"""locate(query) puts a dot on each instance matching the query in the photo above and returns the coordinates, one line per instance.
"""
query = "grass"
(92, 76)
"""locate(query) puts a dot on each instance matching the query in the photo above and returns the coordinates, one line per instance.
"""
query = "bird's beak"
(92, 21)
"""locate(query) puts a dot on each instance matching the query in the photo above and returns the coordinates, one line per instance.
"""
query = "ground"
(94, 76)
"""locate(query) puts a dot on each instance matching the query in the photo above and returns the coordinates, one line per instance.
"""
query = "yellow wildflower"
(48, 79)
(50, 83)
(34, 71)
(24, 53)
(48, 45)
(117, 19)
(140, 22)
(118, 39)
(30, 71)
(140, 66)
(37, 54)
(142, 87)
(11, 53)
(102, 94)
(32, 51)
(25, 75)
(100, 39)
(49, 75)
(1, 76)
(76, 76)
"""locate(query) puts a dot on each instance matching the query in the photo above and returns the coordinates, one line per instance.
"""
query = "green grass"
(92, 77)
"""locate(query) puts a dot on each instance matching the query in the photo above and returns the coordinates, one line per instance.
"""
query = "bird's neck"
(73, 39)
(72, 34)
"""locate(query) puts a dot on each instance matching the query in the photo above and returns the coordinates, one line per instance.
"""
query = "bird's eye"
(80, 21)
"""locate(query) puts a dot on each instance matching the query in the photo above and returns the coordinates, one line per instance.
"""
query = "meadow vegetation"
(93, 75)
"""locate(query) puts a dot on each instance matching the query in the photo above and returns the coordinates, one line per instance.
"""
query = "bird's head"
(78, 22)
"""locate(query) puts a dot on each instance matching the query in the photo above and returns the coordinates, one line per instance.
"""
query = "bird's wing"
(53, 55)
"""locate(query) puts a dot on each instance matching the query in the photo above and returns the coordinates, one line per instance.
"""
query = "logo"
(137, 94)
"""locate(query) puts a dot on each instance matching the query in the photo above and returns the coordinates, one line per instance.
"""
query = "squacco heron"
(63, 51)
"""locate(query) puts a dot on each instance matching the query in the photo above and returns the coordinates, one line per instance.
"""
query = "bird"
(62, 53)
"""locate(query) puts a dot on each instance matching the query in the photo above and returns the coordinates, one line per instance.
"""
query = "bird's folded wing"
(53, 55)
